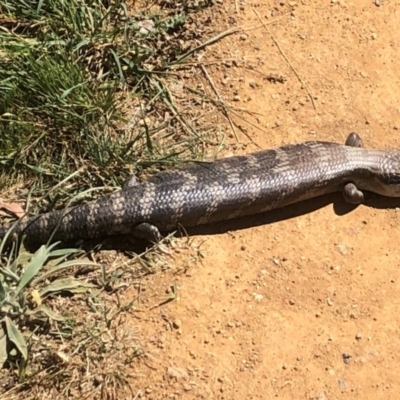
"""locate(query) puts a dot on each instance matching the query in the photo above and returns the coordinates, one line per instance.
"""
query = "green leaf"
(63, 252)
(117, 62)
(3, 347)
(37, 261)
(66, 285)
(2, 294)
(22, 259)
(67, 264)
(15, 336)
(48, 312)
(9, 274)
(66, 92)
(39, 7)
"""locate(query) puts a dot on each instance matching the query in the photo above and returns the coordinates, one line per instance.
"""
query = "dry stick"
(169, 102)
(211, 41)
(248, 28)
(205, 44)
(220, 104)
(224, 110)
(250, 123)
(233, 110)
(214, 40)
(285, 57)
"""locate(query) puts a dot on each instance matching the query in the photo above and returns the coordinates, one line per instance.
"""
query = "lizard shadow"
(340, 207)
(130, 245)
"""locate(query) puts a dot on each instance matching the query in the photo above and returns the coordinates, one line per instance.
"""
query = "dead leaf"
(11, 208)
(36, 297)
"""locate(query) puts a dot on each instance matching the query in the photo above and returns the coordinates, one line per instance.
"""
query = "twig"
(248, 28)
(169, 102)
(205, 44)
(233, 110)
(286, 58)
(250, 123)
(224, 110)
(221, 103)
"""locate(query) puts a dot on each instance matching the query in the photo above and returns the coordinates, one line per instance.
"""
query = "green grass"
(85, 101)
(77, 81)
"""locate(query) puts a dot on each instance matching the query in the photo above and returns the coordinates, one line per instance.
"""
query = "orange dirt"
(305, 307)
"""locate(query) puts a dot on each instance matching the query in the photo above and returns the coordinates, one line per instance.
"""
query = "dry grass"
(90, 95)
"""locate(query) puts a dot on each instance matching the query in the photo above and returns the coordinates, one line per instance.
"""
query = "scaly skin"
(202, 193)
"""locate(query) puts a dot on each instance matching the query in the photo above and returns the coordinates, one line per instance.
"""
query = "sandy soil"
(306, 306)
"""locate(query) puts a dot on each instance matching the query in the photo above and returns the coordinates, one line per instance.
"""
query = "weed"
(24, 285)
(77, 82)
(86, 98)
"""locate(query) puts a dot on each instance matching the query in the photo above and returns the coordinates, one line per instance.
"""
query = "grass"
(86, 99)
(82, 88)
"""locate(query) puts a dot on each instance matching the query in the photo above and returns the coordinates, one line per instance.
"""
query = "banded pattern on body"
(205, 192)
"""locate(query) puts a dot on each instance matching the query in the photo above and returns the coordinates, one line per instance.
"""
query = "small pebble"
(342, 384)
(177, 324)
(177, 373)
(342, 248)
(253, 84)
(346, 358)
(187, 388)
(258, 297)
(358, 336)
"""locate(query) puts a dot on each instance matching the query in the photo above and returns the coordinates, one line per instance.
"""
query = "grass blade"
(3, 347)
(9, 274)
(67, 264)
(66, 285)
(63, 252)
(2, 292)
(15, 336)
(48, 312)
(37, 261)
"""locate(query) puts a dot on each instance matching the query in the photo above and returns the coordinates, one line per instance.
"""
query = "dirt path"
(306, 307)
